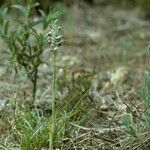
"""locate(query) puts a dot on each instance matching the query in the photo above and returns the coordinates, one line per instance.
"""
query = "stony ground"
(107, 42)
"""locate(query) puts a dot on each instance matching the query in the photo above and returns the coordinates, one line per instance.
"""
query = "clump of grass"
(137, 124)
(31, 130)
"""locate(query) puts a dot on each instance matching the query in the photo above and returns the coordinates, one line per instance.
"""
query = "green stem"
(34, 85)
(52, 137)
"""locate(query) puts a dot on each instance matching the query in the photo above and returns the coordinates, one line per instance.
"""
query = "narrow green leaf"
(5, 27)
(20, 8)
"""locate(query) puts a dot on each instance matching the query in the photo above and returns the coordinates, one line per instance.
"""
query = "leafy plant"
(25, 42)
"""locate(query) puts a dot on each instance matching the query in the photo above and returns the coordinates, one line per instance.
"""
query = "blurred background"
(46, 4)
(100, 34)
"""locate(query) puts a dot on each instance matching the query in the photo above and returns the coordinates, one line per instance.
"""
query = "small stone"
(3, 103)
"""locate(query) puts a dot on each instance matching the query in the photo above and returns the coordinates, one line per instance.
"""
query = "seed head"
(54, 37)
